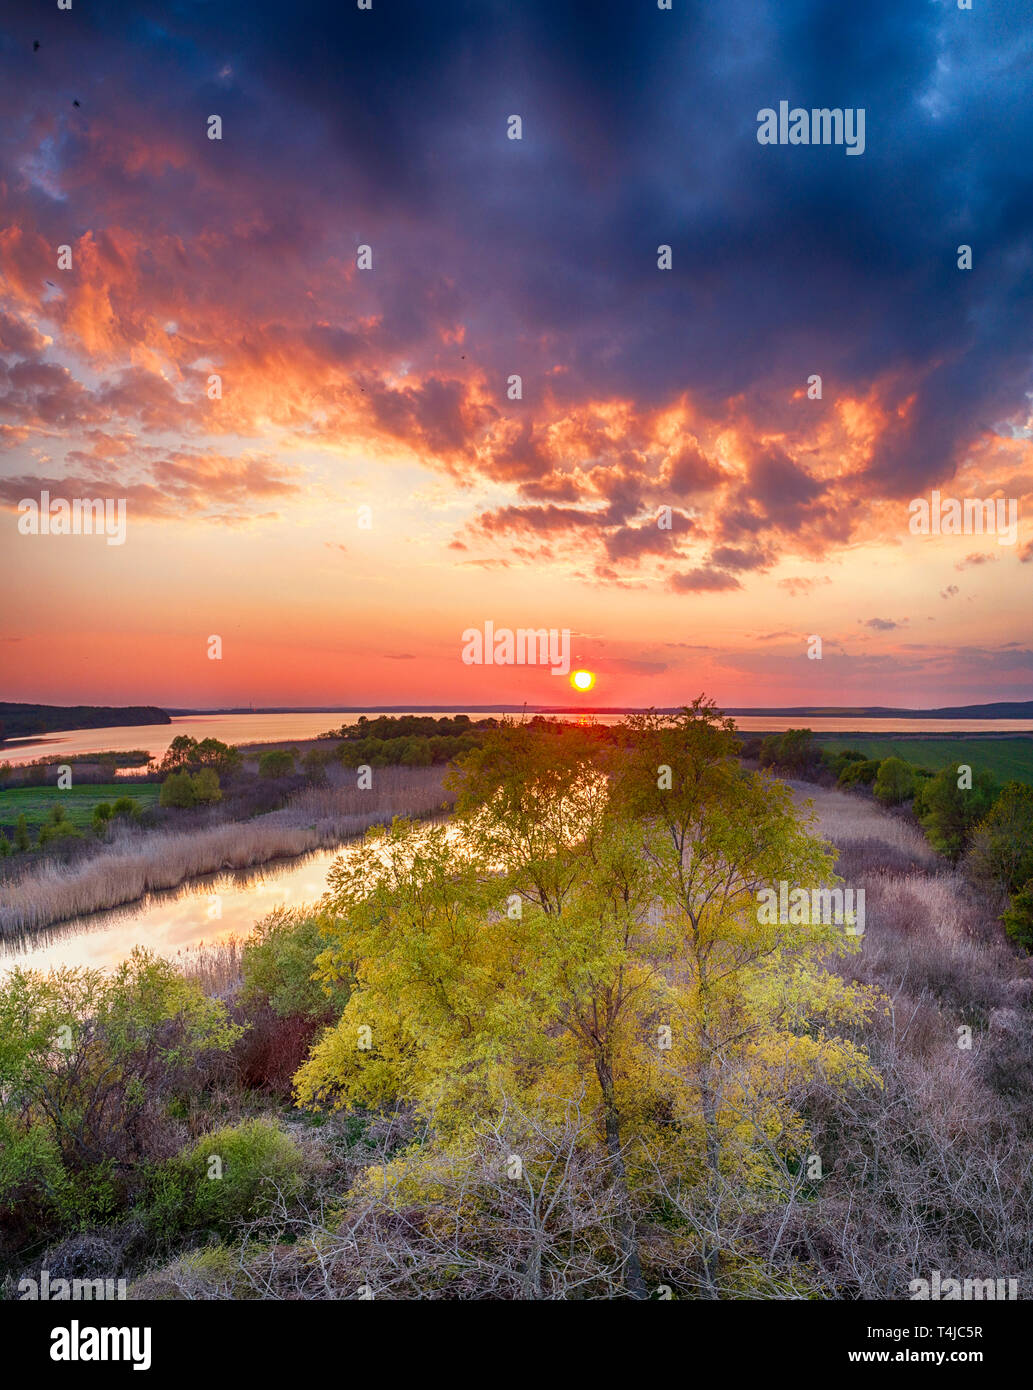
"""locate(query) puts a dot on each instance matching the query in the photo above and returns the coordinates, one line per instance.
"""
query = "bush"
(859, 773)
(230, 1175)
(793, 751)
(949, 812)
(177, 790)
(1018, 917)
(278, 963)
(894, 782)
(183, 790)
(1001, 852)
(278, 762)
(206, 787)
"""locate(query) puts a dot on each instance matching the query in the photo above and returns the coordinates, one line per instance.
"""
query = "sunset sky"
(387, 388)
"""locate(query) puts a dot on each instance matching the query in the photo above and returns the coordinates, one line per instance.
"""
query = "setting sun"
(582, 680)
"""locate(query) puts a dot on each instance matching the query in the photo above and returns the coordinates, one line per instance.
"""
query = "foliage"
(277, 762)
(949, 810)
(229, 1175)
(1018, 917)
(591, 927)
(88, 1059)
(183, 789)
(894, 782)
(1001, 851)
(185, 753)
(279, 966)
(793, 751)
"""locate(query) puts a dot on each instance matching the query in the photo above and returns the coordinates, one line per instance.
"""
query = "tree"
(794, 750)
(894, 783)
(1018, 917)
(278, 762)
(5, 845)
(178, 790)
(186, 754)
(749, 1000)
(1001, 851)
(949, 809)
(589, 927)
(206, 787)
(21, 834)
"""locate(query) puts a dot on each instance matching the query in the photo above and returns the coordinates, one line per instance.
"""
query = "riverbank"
(129, 868)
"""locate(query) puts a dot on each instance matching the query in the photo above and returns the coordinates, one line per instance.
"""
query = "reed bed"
(137, 864)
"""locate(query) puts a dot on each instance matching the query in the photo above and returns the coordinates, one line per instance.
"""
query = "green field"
(36, 803)
(1006, 759)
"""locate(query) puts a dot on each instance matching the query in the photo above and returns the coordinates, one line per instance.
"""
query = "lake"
(278, 728)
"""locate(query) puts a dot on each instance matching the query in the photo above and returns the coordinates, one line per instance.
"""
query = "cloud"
(702, 580)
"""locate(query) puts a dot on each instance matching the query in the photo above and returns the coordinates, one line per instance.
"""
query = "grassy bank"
(130, 867)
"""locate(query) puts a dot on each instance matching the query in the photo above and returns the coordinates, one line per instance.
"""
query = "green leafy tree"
(22, 841)
(590, 927)
(278, 762)
(949, 809)
(178, 791)
(278, 967)
(206, 787)
(1001, 852)
(1018, 917)
(894, 782)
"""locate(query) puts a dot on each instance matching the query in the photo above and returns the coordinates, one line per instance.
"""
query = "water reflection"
(208, 910)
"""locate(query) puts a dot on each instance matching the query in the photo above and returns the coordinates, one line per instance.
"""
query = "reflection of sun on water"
(582, 680)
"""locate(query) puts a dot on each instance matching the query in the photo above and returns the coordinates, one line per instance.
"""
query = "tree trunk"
(633, 1279)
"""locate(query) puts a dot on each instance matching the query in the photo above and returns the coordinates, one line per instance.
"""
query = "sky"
(362, 488)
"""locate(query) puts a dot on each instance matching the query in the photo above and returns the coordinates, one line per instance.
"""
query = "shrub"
(1001, 852)
(125, 806)
(1018, 917)
(182, 790)
(794, 750)
(894, 782)
(279, 962)
(278, 762)
(206, 787)
(177, 790)
(949, 812)
(230, 1175)
(859, 773)
(21, 834)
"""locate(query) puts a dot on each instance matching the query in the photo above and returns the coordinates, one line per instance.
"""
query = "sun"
(582, 680)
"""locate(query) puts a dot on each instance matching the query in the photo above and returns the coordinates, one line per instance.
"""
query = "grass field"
(36, 803)
(1006, 759)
